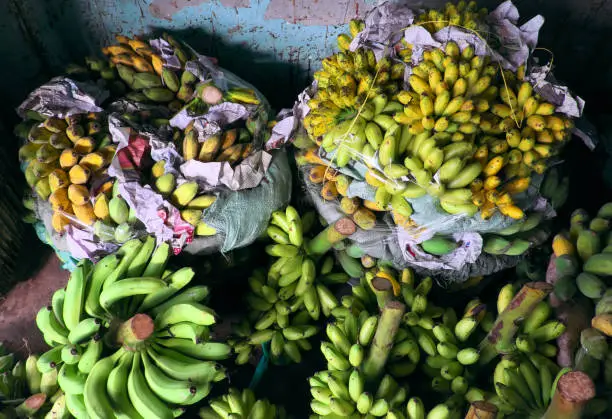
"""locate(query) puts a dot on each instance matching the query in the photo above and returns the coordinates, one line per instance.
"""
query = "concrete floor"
(18, 308)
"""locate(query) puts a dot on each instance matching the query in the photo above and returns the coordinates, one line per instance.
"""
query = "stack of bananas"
(517, 238)
(555, 187)
(150, 80)
(464, 132)
(525, 386)
(185, 197)
(463, 14)
(63, 157)
(285, 300)
(20, 379)
(585, 248)
(241, 404)
(369, 355)
(334, 186)
(165, 360)
(536, 332)
(232, 145)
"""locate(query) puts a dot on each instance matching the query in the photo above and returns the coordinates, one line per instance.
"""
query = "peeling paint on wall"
(165, 9)
(316, 12)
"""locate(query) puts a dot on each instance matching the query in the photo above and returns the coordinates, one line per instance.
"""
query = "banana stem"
(133, 332)
(334, 233)
(387, 328)
(482, 410)
(574, 390)
(383, 289)
(501, 336)
(31, 405)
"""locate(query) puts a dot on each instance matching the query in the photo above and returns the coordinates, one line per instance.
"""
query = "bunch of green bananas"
(29, 203)
(517, 238)
(525, 386)
(463, 14)
(585, 252)
(555, 187)
(346, 86)
(129, 299)
(536, 331)
(241, 404)
(341, 389)
(285, 300)
(62, 156)
(25, 392)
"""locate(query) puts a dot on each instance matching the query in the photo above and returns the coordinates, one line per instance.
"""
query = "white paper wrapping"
(62, 96)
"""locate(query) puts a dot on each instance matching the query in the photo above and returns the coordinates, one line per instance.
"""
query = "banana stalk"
(334, 233)
(573, 391)
(133, 332)
(482, 410)
(383, 289)
(384, 337)
(501, 336)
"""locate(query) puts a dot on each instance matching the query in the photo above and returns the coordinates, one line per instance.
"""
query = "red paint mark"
(234, 29)
(494, 334)
(294, 9)
(356, 8)
(517, 300)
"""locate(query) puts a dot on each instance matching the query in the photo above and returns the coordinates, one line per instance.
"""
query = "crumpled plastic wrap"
(394, 244)
(62, 97)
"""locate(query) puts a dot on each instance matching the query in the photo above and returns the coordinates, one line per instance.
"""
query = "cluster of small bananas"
(344, 84)
(232, 145)
(555, 187)
(517, 238)
(525, 386)
(63, 157)
(355, 382)
(145, 73)
(20, 379)
(241, 404)
(334, 185)
(463, 14)
(285, 300)
(585, 249)
(165, 357)
(185, 197)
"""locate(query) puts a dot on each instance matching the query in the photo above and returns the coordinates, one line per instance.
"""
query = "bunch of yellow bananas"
(143, 70)
(232, 145)
(62, 158)
(346, 82)
(334, 186)
(466, 15)
(185, 197)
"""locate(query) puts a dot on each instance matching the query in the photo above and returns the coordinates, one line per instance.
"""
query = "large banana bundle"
(131, 301)
(285, 300)
(25, 392)
(241, 404)
(66, 162)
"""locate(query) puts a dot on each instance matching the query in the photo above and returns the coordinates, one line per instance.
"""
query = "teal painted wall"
(276, 44)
